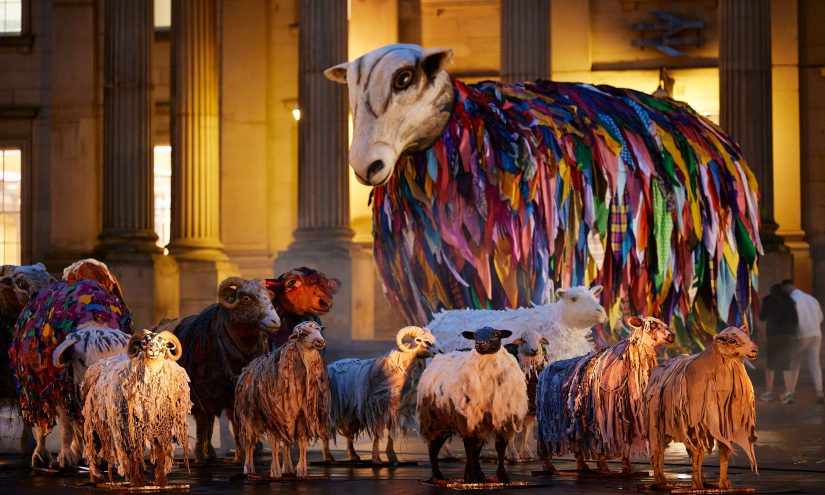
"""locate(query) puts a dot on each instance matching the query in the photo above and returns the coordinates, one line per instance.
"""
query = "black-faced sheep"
(217, 344)
(478, 395)
(701, 400)
(284, 395)
(376, 395)
(136, 401)
(592, 405)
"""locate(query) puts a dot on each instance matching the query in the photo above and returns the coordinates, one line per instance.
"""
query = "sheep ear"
(61, 354)
(505, 333)
(468, 335)
(338, 73)
(544, 341)
(560, 293)
(518, 341)
(435, 60)
(634, 321)
(596, 290)
(333, 285)
(273, 284)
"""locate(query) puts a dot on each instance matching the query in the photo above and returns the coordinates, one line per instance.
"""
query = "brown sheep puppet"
(301, 294)
(701, 400)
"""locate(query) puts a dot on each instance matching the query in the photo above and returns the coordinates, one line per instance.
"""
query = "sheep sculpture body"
(530, 349)
(284, 395)
(488, 195)
(592, 405)
(701, 400)
(478, 395)
(373, 396)
(133, 401)
(65, 328)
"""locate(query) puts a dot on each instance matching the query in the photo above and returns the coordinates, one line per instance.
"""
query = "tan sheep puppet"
(701, 400)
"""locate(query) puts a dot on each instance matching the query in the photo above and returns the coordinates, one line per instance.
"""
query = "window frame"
(24, 38)
(25, 195)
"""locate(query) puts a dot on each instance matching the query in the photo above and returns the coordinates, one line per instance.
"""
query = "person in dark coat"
(780, 317)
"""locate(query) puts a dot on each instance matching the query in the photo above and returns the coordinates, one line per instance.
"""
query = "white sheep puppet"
(284, 395)
(566, 323)
(133, 401)
(376, 395)
(592, 405)
(478, 394)
(701, 400)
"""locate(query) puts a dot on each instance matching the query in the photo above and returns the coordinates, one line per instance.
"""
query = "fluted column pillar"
(128, 204)
(195, 231)
(128, 239)
(525, 40)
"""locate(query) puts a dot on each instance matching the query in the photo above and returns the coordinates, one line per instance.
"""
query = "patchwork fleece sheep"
(477, 394)
(592, 405)
(136, 401)
(567, 322)
(376, 395)
(701, 400)
(532, 355)
(284, 395)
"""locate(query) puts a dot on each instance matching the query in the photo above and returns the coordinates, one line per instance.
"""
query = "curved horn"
(132, 350)
(176, 352)
(404, 332)
(226, 284)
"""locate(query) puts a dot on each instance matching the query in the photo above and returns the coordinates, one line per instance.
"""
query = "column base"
(199, 281)
(196, 250)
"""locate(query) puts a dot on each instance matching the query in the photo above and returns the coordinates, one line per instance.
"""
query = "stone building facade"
(222, 134)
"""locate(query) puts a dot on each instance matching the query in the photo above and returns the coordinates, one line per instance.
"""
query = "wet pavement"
(790, 452)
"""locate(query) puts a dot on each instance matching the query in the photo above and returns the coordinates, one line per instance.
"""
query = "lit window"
(163, 193)
(11, 17)
(10, 173)
(163, 14)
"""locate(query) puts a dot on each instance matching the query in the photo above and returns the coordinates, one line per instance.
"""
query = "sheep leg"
(162, 463)
(724, 454)
(512, 452)
(433, 449)
(501, 471)
(203, 442)
(236, 436)
(287, 468)
(68, 458)
(249, 455)
(376, 448)
(524, 451)
(601, 462)
(626, 467)
(351, 454)
(41, 456)
(581, 464)
(472, 470)
(696, 459)
(392, 457)
(274, 446)
(303, 443)
(327, 454)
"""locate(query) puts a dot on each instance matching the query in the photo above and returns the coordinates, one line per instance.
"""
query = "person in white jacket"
(808, 338)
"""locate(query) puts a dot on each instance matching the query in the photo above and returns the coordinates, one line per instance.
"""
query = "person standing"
(779, 314)
(808, 338)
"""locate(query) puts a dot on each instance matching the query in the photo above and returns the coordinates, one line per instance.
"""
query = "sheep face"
(18, 284)
(735, 342)
(249, 303)
(421, 342)
(154, 348)
(304, 291)
(580, 307)
(652, 331)
(531, 343)
(401, 98)
(87, 346)
(487, 339)
(308, 336)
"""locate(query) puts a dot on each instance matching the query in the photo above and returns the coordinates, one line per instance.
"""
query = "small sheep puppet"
(592, 405)
(530, 349)
(701, 400)
(133, 401)
(376, 395)
(477, 394)
(567, 322)
(284, 395)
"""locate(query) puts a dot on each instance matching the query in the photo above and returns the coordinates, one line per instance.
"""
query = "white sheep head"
(421, 341)
(401, 98)
(307, 336)
(735, 342)
(86, 346)
(154, 348)
(249, 303)
(650, 331)
(531, 343)
(18, 284)
(580, 307)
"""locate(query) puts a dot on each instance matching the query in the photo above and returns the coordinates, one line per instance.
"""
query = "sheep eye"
(246, 299)
(290, 283)
(573, 299)
(22, 284)
(402, 80)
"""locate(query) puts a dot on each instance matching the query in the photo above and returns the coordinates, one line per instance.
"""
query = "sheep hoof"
(725, 485)
(41, 458)
(392, 458)
(67, 460)
(434, 480)
(376, 459)
(502, 476)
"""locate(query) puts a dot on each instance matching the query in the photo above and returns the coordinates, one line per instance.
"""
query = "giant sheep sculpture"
(701, 400)
(217, 344)
(487, 195)
(65, 328)
(284, 395)
(478, 395)
(136, 401)
(301, 294)
(592, 405)
(377, 395)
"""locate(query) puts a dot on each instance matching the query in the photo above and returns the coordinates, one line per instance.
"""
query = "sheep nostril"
(374, 168)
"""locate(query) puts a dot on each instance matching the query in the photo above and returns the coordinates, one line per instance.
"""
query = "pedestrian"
(779, 314)
(808, 338)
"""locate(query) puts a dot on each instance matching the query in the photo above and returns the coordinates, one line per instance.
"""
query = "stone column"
(525, 40)
(195, 232)
(128, 240)
(323, 239)
(745, 112)
(409, 22)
